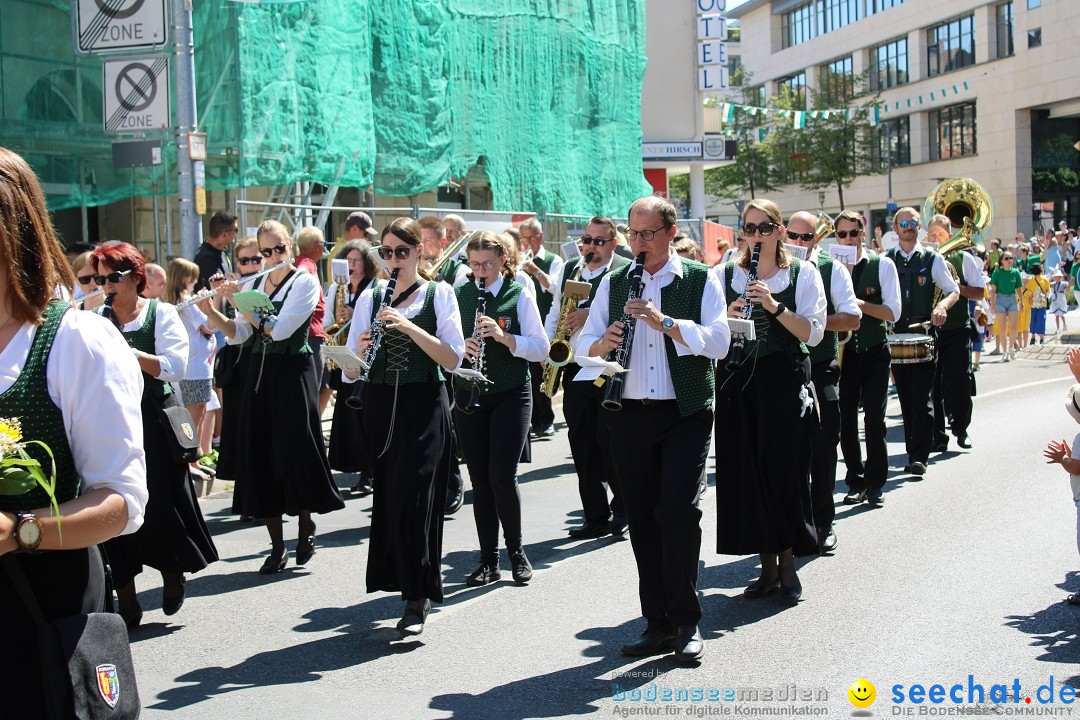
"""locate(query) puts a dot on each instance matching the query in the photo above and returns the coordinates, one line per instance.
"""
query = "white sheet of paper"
(345, 358)
(339, 270)
(746, 328)
(797, 250)
(470, 374)
(570, 250)
(594, 367)
(844, 253)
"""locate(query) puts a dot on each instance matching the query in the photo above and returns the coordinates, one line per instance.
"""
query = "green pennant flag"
(800, 120)
(728, 112)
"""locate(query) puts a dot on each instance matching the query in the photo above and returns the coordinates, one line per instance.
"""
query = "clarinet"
(478, 361)
(613, 394)
(738, 342)
(356, 400)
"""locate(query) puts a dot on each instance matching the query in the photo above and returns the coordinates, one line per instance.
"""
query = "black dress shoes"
(791, 594)
(619, 526)
(591, 530)
(652, 642)
(363, 486)
(963, 441)
(305, 546)
(918, 468)
(689, 647)
(412, 622)
(275, 563)
(875, 498)
(828, 542)
(483, 575)
(172, 595)
(854, 497)
(941, 446)
(454, 499)
(522, 571)
(760, 588)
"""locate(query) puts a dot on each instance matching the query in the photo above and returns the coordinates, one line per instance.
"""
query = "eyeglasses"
(1006, 257)
(646, 235)
(250, 260)
(113, 277)
(842, 234)
(280, 250)
(908, 224)
(803, 237)
(487, 264)
(598, 241)
(84, 279)
(401, 252)
(765, 228)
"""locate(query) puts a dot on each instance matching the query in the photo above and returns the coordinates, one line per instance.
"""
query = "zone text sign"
(103, 26)
(136, 95)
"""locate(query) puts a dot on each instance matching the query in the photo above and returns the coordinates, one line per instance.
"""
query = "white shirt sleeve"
(331, 302)
(243, 330)
(532, 344)
(942, 276)
(810, 301)
(598, 322)
(171, 343)
(555, 272)
(973, 275)
(461, 275)
(301, 297)
(890, 286)
(96, 382)
(713, 336)
(843, 292)
(522, 278)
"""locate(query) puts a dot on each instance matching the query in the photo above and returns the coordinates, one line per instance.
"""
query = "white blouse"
(809, 294)
(301, 294)
(95, 380)
(532, 343)
(170, 339)
(200, 347)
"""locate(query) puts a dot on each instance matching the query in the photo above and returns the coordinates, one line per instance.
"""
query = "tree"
(751, 172)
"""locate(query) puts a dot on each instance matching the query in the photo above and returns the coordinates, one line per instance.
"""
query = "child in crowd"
(1059, 452)
(1059, 304)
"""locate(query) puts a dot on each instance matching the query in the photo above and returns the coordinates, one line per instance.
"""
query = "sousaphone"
(970, 211)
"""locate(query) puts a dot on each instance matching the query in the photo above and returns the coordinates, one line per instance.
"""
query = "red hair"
(121, 256)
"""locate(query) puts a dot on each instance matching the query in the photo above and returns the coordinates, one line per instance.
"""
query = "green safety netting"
(404, 94)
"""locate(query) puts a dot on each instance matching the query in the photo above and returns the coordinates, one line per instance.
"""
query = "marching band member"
(953, 379)
(494, 430)
(919, 270)
(665, 420)
(453, 270)
(542, 268)
(406, 420)
(762, 493)
(173, 539)
(281, 463)
(590, 445)
(842, 314)
(865, 377)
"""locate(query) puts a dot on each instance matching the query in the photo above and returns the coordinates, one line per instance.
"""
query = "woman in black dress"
(762, 487)
(406, 418)
(281, 464)
(100, 467)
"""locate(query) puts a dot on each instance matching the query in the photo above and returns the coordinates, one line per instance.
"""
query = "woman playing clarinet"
(406, 420)
(763, 407)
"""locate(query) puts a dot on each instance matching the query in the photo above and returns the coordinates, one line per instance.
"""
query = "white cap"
(1072, 402)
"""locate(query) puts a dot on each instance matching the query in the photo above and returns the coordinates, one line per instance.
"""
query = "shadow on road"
(1056, 629)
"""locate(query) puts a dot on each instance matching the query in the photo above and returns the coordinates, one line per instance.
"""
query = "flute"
(243, 279)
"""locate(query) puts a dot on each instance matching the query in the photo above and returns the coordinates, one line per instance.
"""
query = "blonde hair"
(179, 273)
(772, 211)
(80, 261)
(242, 243)
(308, 237)
(276, 229)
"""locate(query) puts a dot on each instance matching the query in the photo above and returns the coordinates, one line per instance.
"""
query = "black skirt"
(281, 460)
(762, 486)
(410, 464)
(347, 452)
(233, 362)
(173, 537)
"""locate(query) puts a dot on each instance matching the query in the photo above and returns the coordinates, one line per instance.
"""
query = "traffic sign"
(136, 95)
(103, 26)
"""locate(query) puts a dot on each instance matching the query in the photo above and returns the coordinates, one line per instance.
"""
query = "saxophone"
(561, 353)
(335, 334)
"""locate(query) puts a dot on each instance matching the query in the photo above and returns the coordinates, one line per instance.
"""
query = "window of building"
(734, 62)
(1004, 30)
(1032, 4)
(796, 85)
(897, 130)
(950, 46)
(818, 17)
(1035, 38)
(876, 6)
(833, 14)
(756, 96)
(952, 132)
(888, 65)
(836, 80)
(798, 25)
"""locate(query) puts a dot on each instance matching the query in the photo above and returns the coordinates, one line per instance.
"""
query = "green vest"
(449, 270)
(916, 286)
(768, 341)
(570, 268)
(872, 332)
(505, 371)
(692, 375)
(400, 361)
(28, 401)
(142, 340)
(543, 298)
(958, 315)
(826, 350)
(295, 344)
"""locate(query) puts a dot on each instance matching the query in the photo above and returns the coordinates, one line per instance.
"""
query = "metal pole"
(186, 120)
(157, 224)
(888, 156)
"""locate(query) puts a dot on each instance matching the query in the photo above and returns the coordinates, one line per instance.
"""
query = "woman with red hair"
(173, 538)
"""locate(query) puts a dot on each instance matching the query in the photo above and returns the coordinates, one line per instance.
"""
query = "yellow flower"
(10, 435)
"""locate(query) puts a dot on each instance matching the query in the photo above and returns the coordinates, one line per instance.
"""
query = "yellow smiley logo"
(862, 693)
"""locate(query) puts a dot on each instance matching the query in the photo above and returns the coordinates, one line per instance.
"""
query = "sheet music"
(345, 358)
(470, 374)
(593, 367)
(745, 328)
(845, 254)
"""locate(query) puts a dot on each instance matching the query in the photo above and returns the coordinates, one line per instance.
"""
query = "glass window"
(899, 132)
(1004, 30)
(796, 85)
(950, 46)
(888, 65)
(876, 6)
(798, 25)
(952, 132)
(836, 80)
(1032, 4)
(817, 17)
(1035, 38)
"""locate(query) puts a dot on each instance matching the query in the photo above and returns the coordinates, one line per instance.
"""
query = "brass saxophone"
(335, 334)
(560, 352)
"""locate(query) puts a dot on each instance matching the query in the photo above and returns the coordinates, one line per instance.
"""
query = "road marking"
(1021, 387)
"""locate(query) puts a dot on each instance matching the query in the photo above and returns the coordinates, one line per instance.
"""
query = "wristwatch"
(780, 308)
(666, 325)
(27, 532)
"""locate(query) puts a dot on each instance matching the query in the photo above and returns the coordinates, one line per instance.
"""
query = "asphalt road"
(962, 573)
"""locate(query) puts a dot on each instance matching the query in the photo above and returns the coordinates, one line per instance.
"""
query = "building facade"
(1008, 117)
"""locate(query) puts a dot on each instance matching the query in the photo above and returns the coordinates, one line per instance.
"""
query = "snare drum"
(911, 348)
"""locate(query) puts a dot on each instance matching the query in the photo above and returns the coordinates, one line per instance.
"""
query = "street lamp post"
(740, 204)
(890, 207)
(821, 201)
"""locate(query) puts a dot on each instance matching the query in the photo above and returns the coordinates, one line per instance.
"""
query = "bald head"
(155, 281)
(802, 222)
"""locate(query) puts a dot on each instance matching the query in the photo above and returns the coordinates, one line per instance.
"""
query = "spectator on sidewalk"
(213, 256)
(1060, 453)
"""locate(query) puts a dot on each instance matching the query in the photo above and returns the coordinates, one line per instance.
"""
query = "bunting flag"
(800, 120)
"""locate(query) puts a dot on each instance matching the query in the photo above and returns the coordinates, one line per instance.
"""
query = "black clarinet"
(738, 342)
(356, 400)
(613, 393)
(478, 361)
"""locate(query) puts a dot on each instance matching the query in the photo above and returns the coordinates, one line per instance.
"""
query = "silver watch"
(667, 324)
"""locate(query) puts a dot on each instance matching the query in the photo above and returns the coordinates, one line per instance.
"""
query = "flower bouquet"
(20, 473)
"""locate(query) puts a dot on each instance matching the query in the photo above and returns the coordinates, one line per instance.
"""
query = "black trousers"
(826, 379)
(492, 438)
(591, 447)
(952, 383)
(659, 459)
(915, 389)
(456, 483)
(865, 376)
(542, 414)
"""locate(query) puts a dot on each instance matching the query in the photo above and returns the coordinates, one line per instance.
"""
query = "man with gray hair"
(454, 226)
(544, 268)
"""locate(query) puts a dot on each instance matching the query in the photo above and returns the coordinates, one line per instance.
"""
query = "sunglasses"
(765, 228)
(113, 277)
(597, 241)
(908, 224)
(1007, 257)
(250, 260)
(84, 279)
(401, 252)
(486, 265)
(280, 250)
(842, 234)
(804, 237)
